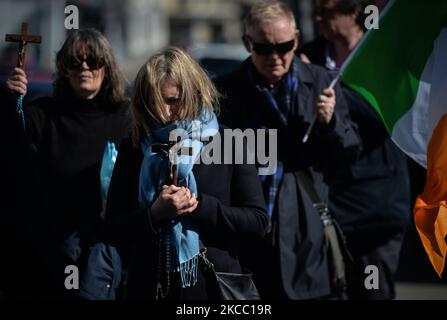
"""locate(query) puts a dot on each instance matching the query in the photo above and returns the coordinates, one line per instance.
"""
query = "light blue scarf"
(180, 237)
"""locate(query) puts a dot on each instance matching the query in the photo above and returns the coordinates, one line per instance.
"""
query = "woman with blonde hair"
(160, 226)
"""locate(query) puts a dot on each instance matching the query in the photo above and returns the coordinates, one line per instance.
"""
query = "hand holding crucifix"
(17, 81)
(23, 39)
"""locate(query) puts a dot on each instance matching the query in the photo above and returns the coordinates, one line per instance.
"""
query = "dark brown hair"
(355, 7)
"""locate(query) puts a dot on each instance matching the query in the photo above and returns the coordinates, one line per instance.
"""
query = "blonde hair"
(267, 11)
(196, 91)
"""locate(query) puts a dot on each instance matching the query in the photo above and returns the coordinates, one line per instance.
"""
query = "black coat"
(374, 193)
(21, 211)
(328, 146)
(297, 264)
(231, 209)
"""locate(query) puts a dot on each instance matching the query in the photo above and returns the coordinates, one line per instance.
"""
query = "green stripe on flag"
(387, 66)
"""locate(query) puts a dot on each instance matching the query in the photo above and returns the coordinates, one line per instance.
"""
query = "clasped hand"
(173, 202)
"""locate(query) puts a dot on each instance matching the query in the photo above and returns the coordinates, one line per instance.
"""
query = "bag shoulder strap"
(308, 185)
(322, 209)
(335, 239)
(206, 264)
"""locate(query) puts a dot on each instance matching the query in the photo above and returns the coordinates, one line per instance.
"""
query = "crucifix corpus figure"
(23, 38)
(171, 152)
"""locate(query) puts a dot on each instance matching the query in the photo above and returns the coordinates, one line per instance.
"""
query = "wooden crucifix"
(23, 38)
(171, 152)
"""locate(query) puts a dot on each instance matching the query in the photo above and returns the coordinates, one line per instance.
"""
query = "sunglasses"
(92, 62)
(265, 49)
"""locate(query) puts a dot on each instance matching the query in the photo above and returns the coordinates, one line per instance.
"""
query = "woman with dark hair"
(92, 46)
(68, 133)
(158, 225)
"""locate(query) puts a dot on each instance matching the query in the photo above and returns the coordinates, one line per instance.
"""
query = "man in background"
(371, 201)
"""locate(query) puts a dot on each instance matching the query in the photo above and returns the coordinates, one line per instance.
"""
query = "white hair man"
(272, 89)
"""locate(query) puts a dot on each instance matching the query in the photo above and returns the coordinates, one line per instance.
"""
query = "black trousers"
(380, 249)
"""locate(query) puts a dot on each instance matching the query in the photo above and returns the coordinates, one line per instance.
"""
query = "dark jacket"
(297, 267)
(231, 208)
(373, 193)
(21, 241)
(241, 102)
(69, 137)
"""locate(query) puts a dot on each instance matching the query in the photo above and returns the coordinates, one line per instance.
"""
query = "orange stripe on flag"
(430, 209)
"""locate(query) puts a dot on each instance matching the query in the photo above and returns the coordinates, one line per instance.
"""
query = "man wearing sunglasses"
(272, 89)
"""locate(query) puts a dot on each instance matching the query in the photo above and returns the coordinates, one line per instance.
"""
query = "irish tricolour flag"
(401, 69)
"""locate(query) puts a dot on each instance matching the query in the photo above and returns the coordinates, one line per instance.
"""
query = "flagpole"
(344, 65)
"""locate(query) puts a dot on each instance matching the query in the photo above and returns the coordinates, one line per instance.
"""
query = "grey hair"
(267, 11)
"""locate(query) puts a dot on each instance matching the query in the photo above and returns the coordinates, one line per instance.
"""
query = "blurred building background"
(135, 28)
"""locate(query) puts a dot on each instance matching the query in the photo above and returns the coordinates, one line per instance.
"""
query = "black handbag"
(228, 286)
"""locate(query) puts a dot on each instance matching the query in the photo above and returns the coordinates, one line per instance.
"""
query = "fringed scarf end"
(188, 272)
